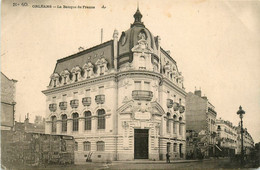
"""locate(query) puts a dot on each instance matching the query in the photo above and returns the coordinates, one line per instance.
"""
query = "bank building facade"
(121, 100)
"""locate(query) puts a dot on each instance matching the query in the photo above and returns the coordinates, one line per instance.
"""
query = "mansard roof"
(89, 55)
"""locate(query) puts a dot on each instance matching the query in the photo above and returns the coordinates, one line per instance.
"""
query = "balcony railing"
(211, 110)
(176, 106)
(169, 103)
(74, 103)
(86, 101)
(142, 95)
(63, 105)
(100, 99)
(53, 107)
(181, 109)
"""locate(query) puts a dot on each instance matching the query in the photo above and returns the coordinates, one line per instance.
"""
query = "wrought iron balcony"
(176, 106)
(142, 95)
(53, 107)
(169, 103)
(100, 99)
(181, 109)
(86, 101)
(211, 110)
(74, 103)
(63, 105)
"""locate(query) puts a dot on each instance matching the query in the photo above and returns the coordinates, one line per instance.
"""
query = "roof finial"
(137, 5)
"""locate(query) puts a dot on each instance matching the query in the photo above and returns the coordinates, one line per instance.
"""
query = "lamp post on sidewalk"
(241, 112)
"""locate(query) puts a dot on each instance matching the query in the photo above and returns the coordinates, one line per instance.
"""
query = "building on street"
(123, 99)
(200, 123)
(226, 138)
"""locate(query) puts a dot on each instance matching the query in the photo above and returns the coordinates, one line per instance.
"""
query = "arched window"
(180, 126)
(76, 146)
(87, 146)
(53, 123)
(87, 120)
(64, 123)
(75, 123)
(101, 119)
(100, 146)
(168, 122)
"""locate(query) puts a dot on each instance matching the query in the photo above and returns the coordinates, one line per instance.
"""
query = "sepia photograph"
(110, 84)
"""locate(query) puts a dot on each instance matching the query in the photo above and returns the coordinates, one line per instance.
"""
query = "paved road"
(208, 164)
(193, 165)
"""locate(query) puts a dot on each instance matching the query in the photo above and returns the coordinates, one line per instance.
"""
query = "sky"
(216, 45)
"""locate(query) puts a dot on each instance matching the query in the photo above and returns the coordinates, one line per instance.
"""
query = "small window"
(87, 146)
(100, 146)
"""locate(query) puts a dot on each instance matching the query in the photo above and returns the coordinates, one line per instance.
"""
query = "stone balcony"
(142, 95)
(169, 103)
(100, 99)
(181, 109)
(53, 107)
(74, 103)
(63, 105)
(86, 101)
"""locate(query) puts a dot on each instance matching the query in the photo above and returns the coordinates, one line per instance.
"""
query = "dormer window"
(101, 66)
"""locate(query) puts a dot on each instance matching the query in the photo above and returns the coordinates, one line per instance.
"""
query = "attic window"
(101, 70)
(54, 83)
(65, 80)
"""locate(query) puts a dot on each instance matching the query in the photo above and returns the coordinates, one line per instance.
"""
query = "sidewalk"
(146, 161)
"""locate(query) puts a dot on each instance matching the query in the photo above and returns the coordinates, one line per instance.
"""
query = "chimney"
(198, 93)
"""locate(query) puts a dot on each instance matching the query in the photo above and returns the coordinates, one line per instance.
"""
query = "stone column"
(81, 125)
(69, 126)
(58, 125)
(94, 124)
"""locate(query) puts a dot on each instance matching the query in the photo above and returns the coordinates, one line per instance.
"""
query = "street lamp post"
(241, 112)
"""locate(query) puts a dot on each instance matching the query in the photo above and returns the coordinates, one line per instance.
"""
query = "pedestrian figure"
(168, 157)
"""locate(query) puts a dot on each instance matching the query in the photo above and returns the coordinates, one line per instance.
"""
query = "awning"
(218, 147)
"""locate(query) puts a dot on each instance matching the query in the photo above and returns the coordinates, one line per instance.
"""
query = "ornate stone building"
(121, 100)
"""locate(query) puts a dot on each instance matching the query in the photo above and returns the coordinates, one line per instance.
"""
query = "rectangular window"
(175, 127)
(101, 90)
(137, 85)
(146, 85)
(100, 146)
(87, 146)
(54, 83)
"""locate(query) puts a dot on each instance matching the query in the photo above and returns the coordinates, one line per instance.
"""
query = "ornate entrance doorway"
(141, 143)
